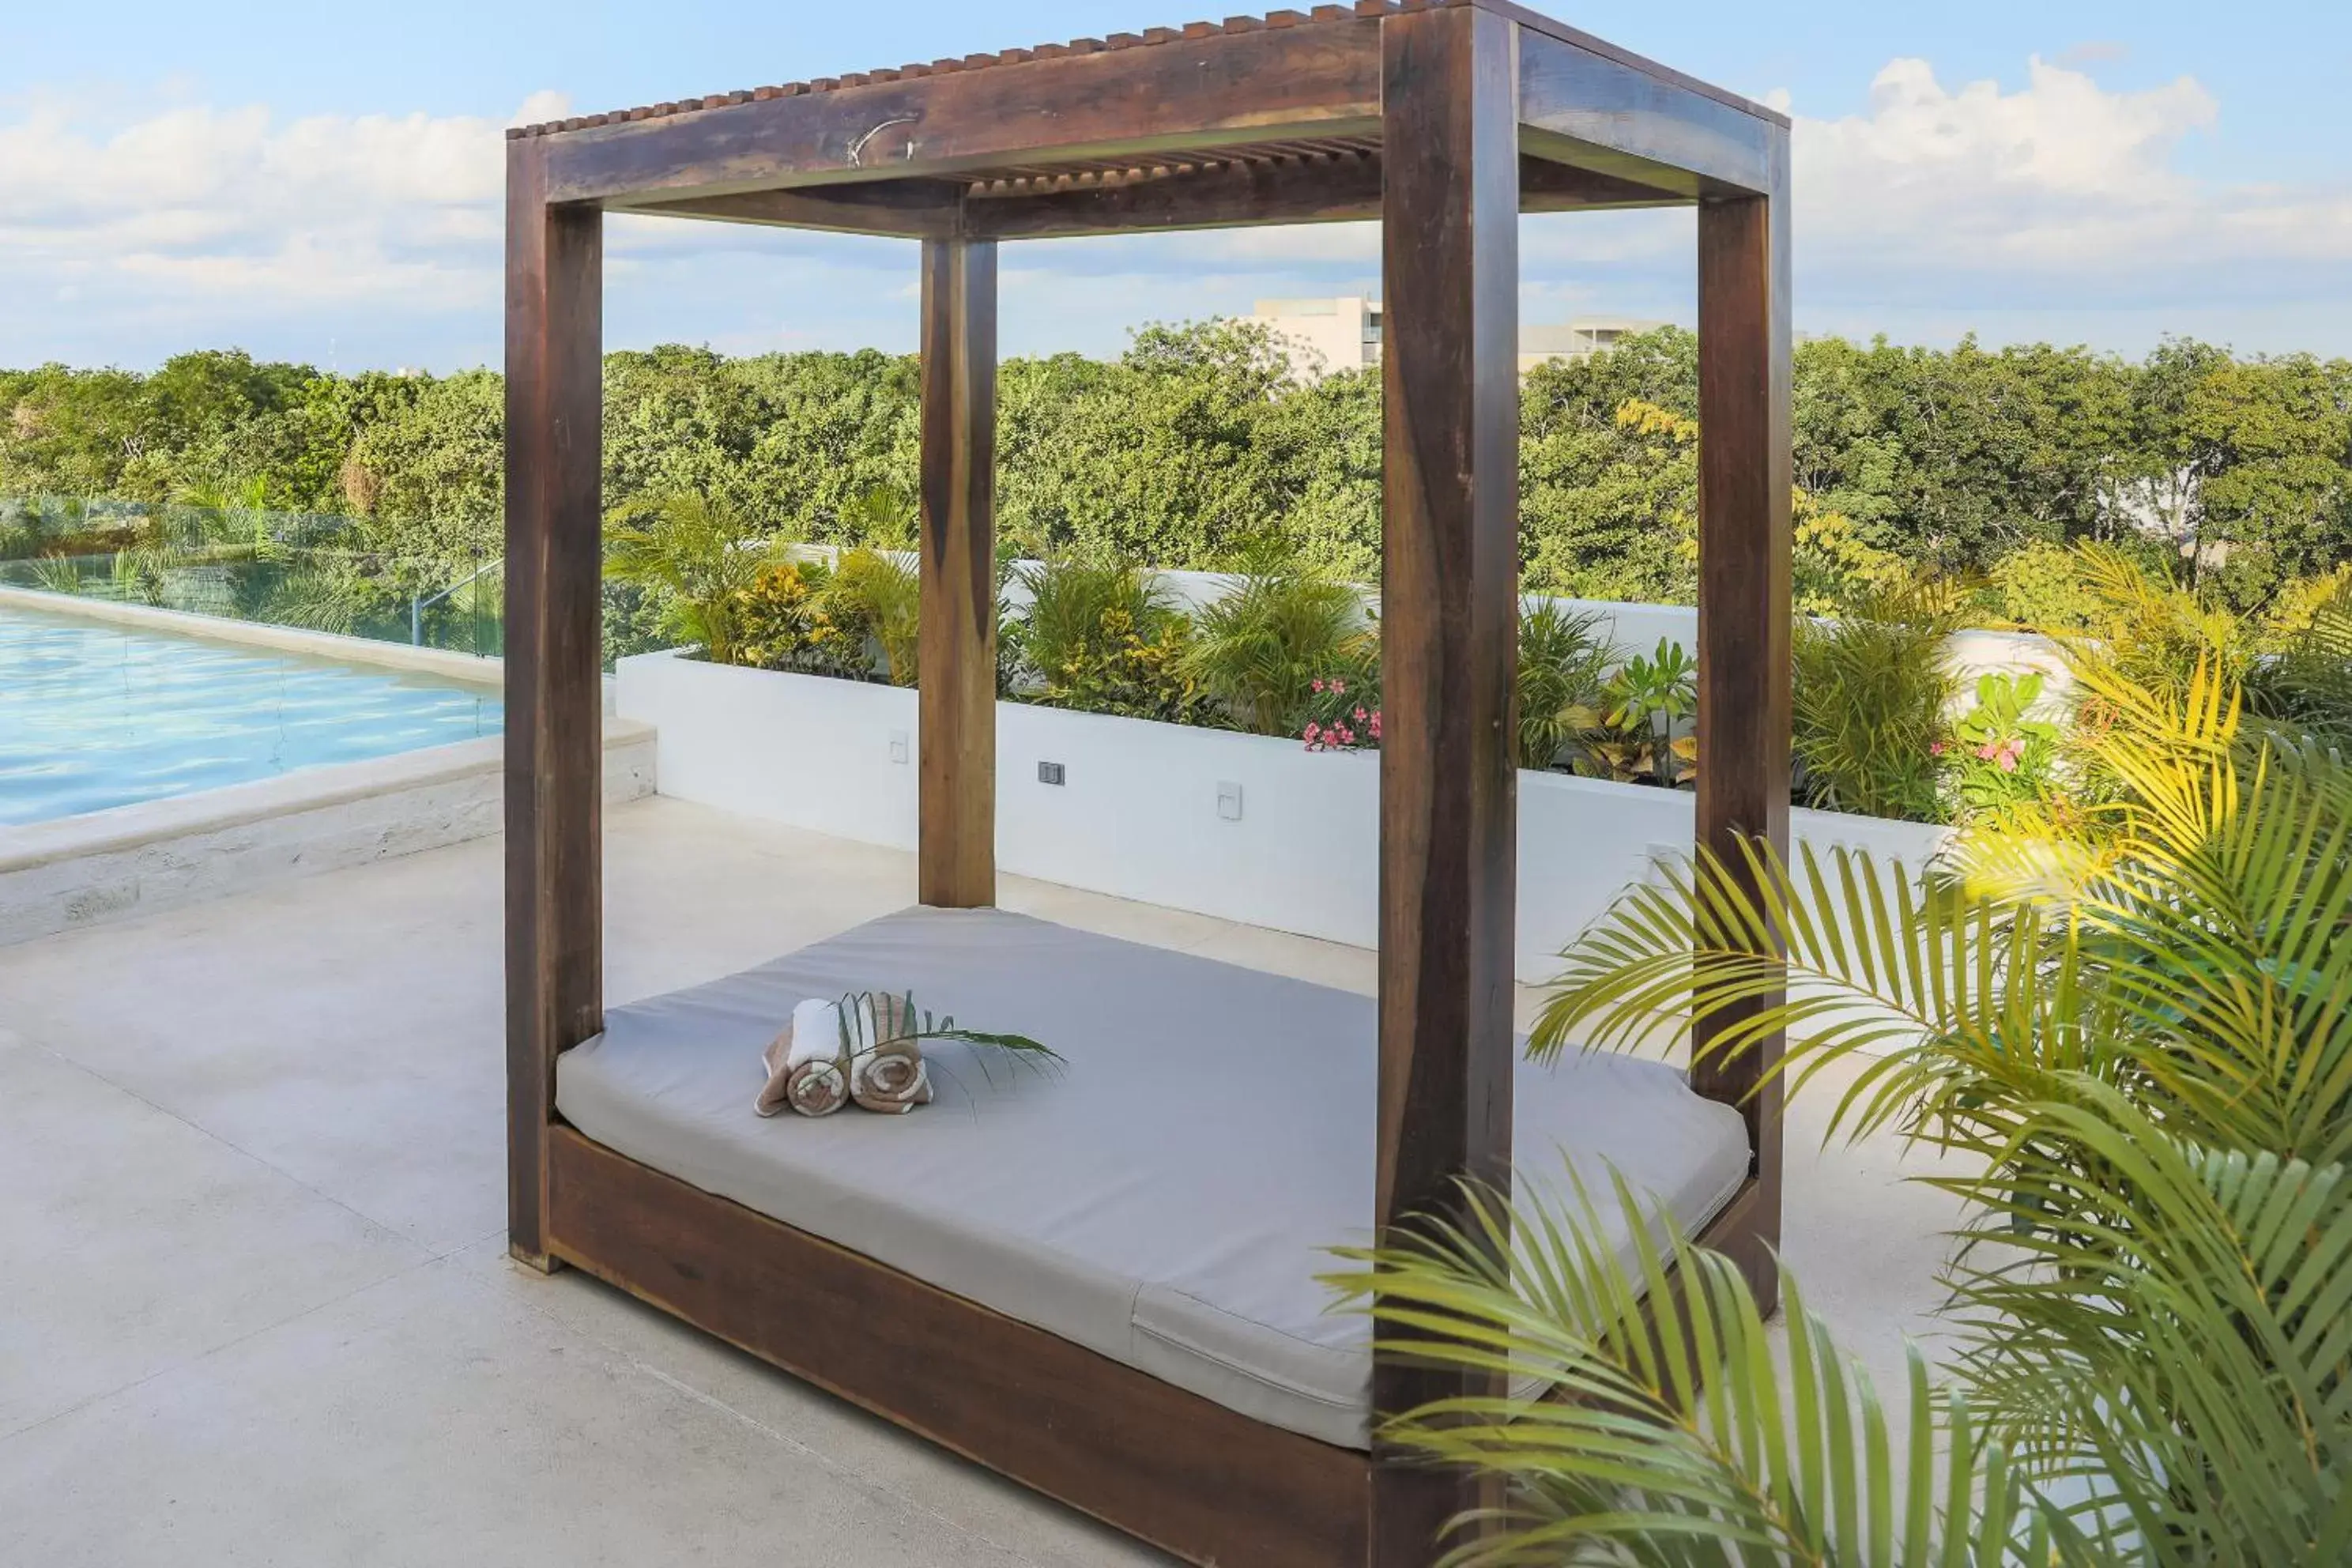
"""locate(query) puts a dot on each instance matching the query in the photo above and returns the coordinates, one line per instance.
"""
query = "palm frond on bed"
(864, 1033)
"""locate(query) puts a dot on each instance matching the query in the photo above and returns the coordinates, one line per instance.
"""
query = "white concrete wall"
(1138, 816)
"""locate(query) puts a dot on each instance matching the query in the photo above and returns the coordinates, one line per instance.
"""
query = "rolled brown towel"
(891, 1079)
(816, 1088)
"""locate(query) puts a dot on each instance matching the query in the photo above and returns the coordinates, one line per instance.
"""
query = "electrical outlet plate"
(1049, 772)
(898, 745)
(1229, 800)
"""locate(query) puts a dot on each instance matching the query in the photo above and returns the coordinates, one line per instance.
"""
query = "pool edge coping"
(27, 847)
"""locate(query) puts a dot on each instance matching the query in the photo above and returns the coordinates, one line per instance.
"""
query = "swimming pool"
(95, 715)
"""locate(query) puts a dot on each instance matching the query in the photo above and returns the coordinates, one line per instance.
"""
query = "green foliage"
(2129, 1052)
(1686, 1446)
(2007, 757)
(1259, 649)
(881, 593)
(1630, 734)
(2042, 590)
(1101, 637)
(696, 552)
(792, 616)
(1867, 723)
(1342, 710)
(1564, 661)
(2236, 472)
(1608, 501)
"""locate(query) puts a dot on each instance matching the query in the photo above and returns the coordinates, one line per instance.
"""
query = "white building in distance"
(1344, 333)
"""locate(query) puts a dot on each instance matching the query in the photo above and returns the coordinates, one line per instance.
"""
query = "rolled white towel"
(813, 1035)
(817, 1033)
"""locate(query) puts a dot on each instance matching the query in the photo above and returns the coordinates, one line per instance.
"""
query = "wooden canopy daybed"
(1171, 1392)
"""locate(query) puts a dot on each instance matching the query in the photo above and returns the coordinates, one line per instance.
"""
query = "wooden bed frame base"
(1165, 1465)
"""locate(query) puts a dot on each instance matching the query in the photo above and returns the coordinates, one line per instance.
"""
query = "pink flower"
(2007, 755)
(1312, 731)
(1338, 686)
(1319, 683)
(1376, 724)
(1987, 751)
(1360, 715)
(1935, 748)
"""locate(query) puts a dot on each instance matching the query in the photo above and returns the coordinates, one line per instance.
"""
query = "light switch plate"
(897, 745)
(1049, 772)
(1229, 800)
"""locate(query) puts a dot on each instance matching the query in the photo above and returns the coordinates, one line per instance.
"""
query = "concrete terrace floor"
(255, 1303)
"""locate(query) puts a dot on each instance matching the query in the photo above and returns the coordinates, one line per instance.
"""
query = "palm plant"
(1260, 649)
(2304, 683)
(1867, 709)
(1564, 658)
(2139, 1041)
(884, 516)
(883, 595)
(698, 553)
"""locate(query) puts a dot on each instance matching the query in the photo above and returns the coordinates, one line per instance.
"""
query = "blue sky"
(320, 183)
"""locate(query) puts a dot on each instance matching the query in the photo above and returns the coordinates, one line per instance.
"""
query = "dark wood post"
(957, 836)
(1744, 604)
(1449, 586)
(554, 706)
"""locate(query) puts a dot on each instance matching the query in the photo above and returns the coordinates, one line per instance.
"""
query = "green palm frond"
(884, 594)
(1689, 1438)
(2168, 1325)
(698, 553)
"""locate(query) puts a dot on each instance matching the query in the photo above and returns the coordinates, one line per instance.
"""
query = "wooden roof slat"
(1583, 103)
(1155, 36)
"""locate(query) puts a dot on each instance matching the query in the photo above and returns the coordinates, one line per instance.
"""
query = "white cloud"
(2058, 183)
(130, 230)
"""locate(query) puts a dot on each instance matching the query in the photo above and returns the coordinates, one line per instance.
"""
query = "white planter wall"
(1138, 816)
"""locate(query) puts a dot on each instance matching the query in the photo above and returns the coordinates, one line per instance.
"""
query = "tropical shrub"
(1631, 735)
(1867, 724)
(1564, 659)
(1103, 637)
(2133, 1052)
(792, 618)
(1343, 706)
(2006, 758)
(1258, 651)
(700, 555)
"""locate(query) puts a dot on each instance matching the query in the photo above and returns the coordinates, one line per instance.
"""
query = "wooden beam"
(1341, 189)
(1205, 1482)
(1744, 598)
(1192, 93)
(903, 209)
(957, 655)
(1595, 110)
(1449, 636)
(554, 707)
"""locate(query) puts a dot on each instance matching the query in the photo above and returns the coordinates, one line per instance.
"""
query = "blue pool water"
(93, 715)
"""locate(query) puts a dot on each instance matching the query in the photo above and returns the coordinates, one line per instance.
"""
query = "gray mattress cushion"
(1167, 1199)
